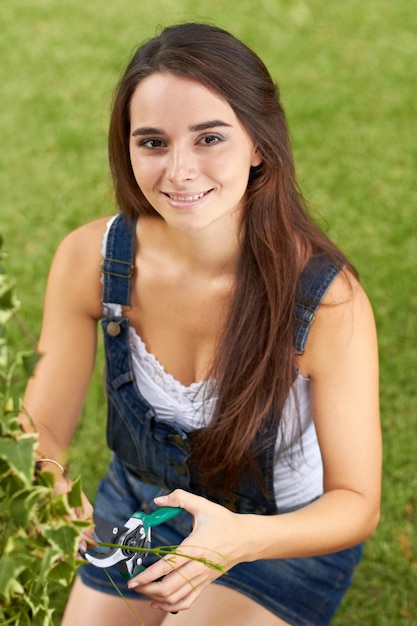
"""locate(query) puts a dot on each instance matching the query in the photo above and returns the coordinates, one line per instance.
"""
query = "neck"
(213, 251)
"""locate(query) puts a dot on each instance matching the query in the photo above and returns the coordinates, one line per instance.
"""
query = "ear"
(256, 159)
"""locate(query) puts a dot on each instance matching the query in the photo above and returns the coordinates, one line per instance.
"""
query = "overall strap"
(118, 265)
(313, 284)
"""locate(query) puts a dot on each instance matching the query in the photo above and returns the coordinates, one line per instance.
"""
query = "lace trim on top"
(152, 367)
(191, 406)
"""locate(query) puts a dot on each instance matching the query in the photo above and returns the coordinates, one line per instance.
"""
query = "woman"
(225, 398)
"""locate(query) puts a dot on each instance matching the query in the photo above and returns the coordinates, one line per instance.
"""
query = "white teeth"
(177, 198)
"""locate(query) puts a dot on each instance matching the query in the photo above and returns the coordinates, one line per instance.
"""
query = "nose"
(181, 165)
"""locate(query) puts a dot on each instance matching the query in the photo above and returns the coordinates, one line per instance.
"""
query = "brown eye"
(151, 144)
(210, 140)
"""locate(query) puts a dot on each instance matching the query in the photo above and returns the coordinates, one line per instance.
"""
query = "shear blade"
(105, 531)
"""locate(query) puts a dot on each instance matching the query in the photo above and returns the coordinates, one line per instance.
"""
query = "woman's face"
(190, 155)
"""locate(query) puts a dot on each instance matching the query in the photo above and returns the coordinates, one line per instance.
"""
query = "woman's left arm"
(341, 359)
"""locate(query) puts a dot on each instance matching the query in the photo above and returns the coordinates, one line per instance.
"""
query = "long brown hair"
(254, 367)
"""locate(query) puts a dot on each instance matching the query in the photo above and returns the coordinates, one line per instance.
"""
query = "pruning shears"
(135, 533)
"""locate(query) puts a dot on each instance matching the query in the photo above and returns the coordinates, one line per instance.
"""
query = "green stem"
(129, 606)
(25, 329)
(165, 550)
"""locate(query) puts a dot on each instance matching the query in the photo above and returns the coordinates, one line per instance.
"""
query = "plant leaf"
(7, 300)
(24, 504)
(10, 570)
(63, 573)
(74, 496)
(29, 362)
(62, 536)
(18, 453)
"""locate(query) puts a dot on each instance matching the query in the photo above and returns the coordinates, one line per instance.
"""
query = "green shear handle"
(159, 516)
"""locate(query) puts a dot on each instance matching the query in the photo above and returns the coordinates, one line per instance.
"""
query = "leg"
(224, 607)
(87, 606)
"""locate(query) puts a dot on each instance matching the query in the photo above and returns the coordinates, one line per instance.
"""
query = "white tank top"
(298, 470)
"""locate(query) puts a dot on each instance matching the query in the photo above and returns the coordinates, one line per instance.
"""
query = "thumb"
(182, 499)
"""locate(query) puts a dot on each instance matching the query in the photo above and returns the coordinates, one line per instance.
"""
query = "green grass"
(347, 77)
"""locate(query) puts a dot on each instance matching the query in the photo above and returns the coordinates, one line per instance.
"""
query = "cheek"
(143, 171)
(235, 173)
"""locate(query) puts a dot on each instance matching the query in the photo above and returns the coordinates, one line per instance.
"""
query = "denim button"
(180, 441)
(181, 469)
(113, 329)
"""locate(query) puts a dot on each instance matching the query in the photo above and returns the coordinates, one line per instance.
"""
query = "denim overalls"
(155, 451)
(150, 458)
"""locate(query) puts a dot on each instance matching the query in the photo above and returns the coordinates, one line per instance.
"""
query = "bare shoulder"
(75, 272)
(85, 240)
(344, 325)
(345, 300)
(81, 248)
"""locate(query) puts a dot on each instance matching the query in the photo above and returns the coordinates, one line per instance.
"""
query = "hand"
(219, 536)
(84, 513)
(63, 485)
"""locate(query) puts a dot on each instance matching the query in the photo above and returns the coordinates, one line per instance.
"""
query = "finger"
(165, 566)
(157, 571)
(186, 553)
(181, 603)
(177, 585)
(82, 548)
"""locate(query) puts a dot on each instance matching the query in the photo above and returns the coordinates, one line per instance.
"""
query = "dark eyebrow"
(207, 125)
(148, 130)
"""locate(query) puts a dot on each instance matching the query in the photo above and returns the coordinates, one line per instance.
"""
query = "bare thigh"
(216, 605)
(223, 607)
(87, 607)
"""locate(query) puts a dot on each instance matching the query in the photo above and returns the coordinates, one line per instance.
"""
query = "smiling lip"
(186, 198)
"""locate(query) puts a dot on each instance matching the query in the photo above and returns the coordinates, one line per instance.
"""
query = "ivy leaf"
(50, 557)
(9, 423)
(42, 618)
(61, 506)
(7, 300)
(62, 536)
(29, 362)
(46, 479)
(74, 496)
(10, 571)
(24, 504)
(8, 406)
(19, 455)
(38, 541)
(63, 573)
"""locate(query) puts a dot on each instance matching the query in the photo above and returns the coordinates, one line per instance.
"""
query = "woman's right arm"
(55, 394)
